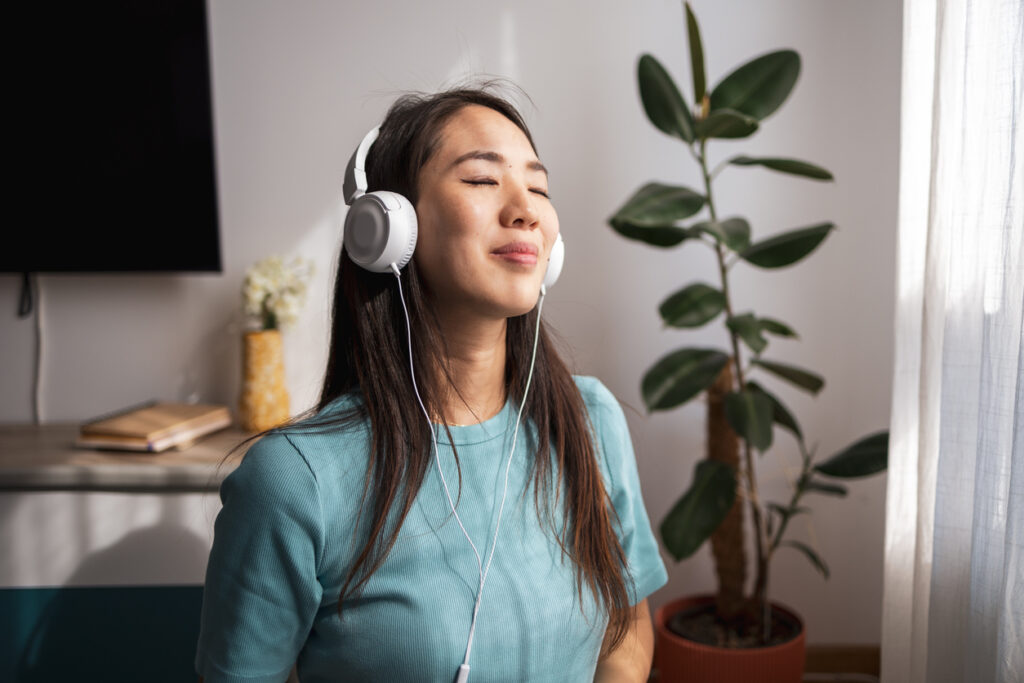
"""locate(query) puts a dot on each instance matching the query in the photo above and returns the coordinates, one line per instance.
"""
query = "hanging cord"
(463, 674)
(29, 300)
(37, 380)
(25, 296)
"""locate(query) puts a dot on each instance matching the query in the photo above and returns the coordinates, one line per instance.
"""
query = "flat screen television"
(113, 139)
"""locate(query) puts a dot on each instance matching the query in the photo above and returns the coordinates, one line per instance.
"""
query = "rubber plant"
(741, 411)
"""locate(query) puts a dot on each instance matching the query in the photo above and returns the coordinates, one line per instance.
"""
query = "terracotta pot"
(679, 659)
(264, 400)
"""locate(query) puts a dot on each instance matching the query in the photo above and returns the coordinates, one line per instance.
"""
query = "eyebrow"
(494, 157)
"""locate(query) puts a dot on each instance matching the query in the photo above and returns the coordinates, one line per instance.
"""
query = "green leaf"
(868, 456)
(760, 86)
(649, 215)
(791, 166)
(660, 204)
(786, 248)
(775, 327)
(748, 329)
(827, 489)
(654, 235)
(696, 55)
(726, 123)
(818, 563)
(801, 378)
(732, 232)
(701, 509)
(750, 415)
(692, 306)
(681, 375)
(661, 99)
(780, 414)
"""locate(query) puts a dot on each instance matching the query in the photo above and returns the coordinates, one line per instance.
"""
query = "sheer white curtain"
(954, 549)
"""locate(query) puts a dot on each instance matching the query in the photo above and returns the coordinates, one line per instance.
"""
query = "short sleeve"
(638, 542)
(261, 592)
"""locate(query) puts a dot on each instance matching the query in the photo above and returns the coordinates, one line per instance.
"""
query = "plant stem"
(761, 580)
(269, 319)
(798, 492)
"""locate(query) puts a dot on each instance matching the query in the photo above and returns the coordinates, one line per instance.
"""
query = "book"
(153, 427)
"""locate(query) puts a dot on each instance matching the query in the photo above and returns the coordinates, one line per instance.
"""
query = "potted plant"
(733, 635)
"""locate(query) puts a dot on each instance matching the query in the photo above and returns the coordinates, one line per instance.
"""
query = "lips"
(517, 248)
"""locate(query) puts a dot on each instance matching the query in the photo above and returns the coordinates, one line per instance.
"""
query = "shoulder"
(272, 468)
(299, 456)
(595, 394)
(608, 422)
(329, 442)
(603, 408)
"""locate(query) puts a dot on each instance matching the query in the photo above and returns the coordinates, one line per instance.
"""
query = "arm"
(631, 661)
(261, 591)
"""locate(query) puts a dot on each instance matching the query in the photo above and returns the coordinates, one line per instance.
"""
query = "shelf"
(43, 458)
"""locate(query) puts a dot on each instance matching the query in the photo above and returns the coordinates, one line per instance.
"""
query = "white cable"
(463, 673)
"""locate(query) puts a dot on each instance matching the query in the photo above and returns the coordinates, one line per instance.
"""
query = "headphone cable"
(463, 673)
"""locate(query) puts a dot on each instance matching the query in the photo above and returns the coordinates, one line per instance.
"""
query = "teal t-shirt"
(284, 542)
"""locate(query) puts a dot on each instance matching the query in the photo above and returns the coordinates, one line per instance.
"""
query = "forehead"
(475, 127)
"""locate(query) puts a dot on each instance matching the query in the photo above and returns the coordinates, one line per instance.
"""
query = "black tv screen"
(113, 139)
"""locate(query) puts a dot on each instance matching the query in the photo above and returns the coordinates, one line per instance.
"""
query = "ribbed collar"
(496, 427)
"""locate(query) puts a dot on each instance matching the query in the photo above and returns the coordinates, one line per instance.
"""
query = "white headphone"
(381, 226)
(380, 235)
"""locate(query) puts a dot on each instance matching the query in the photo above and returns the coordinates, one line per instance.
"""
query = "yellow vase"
(264, 400)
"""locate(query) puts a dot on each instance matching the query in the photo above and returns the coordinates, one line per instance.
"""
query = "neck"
(476, 359)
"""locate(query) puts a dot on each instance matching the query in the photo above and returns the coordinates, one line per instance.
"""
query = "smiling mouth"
(520, 257)
(517, 248)
(521, 253)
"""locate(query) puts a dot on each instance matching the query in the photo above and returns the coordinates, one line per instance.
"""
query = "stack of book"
(154, 427)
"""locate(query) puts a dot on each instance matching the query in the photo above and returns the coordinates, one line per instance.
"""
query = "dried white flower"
(275, 290)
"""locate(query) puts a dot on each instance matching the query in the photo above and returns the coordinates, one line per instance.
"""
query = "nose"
(519, 210)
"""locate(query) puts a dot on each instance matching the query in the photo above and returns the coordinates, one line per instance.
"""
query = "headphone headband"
(355, 173)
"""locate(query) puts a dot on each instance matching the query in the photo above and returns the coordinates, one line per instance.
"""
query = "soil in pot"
(699, 624)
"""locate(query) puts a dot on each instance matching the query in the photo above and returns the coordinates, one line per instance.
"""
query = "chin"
(509, 307)
(511, 298)
(524, 305)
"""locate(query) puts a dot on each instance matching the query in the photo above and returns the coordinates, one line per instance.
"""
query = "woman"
(359, 540)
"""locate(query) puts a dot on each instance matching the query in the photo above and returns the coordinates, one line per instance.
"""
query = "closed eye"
(535, 190)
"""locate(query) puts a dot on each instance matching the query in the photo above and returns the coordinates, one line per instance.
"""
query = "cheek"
(449, 239)
(448, 227)
(551, 227)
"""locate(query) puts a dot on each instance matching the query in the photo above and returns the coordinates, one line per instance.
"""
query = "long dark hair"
(368, 359)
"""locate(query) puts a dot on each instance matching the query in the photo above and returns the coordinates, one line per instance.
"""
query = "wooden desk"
(43, 458)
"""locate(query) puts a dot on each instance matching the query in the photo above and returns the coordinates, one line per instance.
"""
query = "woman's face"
(486, 225)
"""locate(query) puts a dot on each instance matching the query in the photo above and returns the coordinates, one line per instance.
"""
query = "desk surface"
(45, 458)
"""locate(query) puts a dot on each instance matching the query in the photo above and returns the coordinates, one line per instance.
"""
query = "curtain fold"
(954, 579)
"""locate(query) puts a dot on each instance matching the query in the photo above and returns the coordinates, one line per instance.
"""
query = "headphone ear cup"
(380, 230)
(555, 262)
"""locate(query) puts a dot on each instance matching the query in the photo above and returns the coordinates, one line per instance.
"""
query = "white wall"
(297, 84)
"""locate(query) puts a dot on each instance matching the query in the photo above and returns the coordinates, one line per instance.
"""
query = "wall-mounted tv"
(113, 139)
